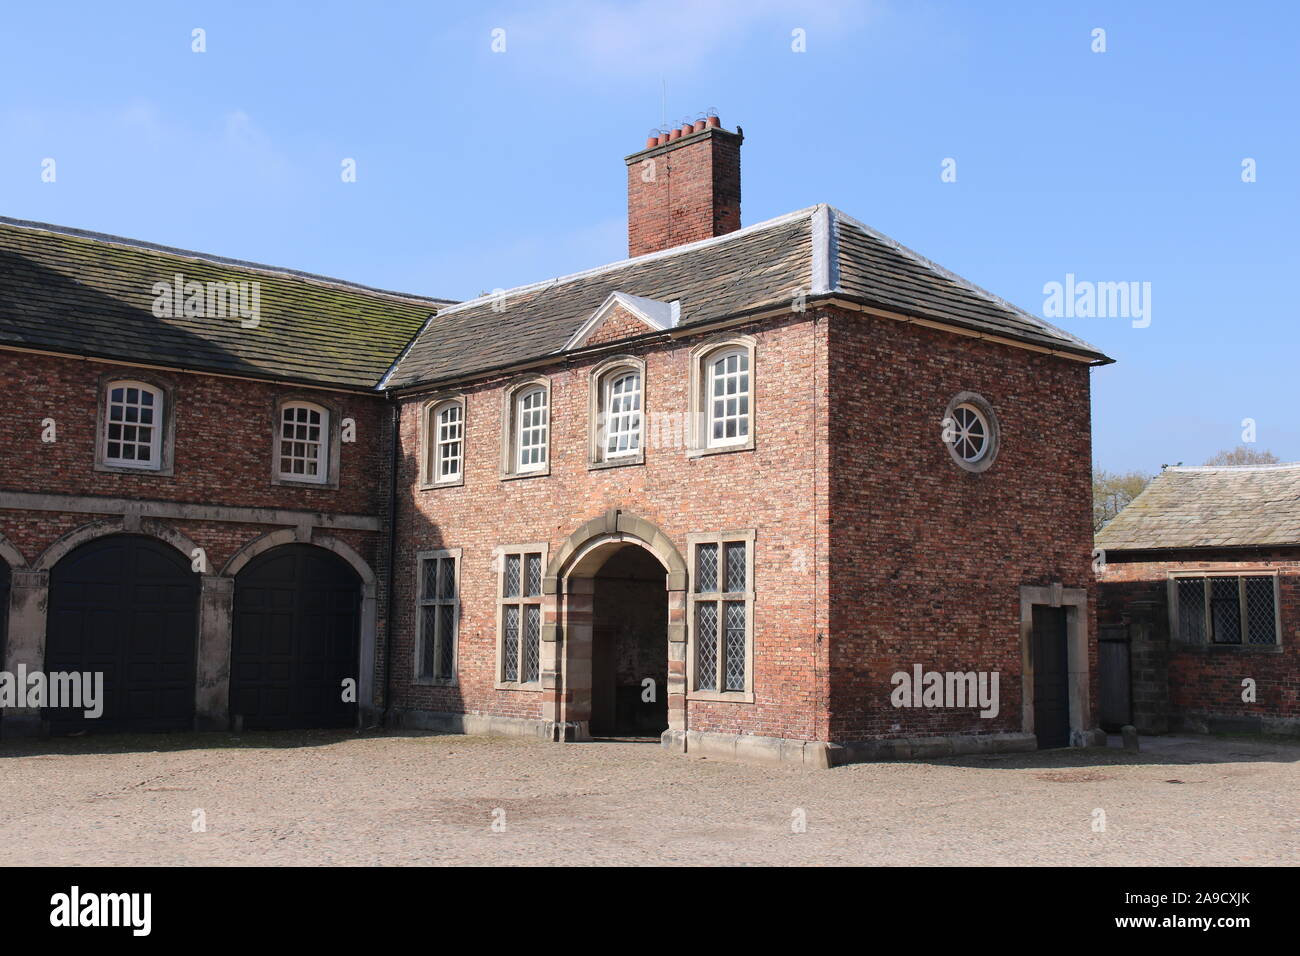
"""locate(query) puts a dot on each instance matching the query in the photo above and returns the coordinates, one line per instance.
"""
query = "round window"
(970, 431)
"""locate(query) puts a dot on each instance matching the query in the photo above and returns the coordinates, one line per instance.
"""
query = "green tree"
(1111, 494)
(1242, 455)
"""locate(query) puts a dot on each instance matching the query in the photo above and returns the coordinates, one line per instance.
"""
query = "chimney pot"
(694, 192)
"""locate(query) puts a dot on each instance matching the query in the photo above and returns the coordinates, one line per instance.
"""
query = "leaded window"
(438, 609)
(521, 616)
(721, 613)
(1226, 609)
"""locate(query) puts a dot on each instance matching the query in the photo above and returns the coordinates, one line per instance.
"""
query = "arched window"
(722, 396)
(617, 390)
(622, 414)
(727, 385)
(303, 442)
(133, 425)
(445, 433)
(532, 429)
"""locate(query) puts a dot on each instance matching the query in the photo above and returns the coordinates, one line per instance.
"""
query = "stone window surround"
(598, 378)
(1229, 571)
(692, 597)
(1075, 602)
(428, 441)
(697, 413)
(420, 557)
(167, 427)
(333, 436)
(985, 462)
(499, 559)
(509, 432)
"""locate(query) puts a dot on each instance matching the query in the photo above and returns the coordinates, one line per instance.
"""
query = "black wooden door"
(1051, 677)
(126, 606)
(296, 638)
(4, 607)
(1114, 679)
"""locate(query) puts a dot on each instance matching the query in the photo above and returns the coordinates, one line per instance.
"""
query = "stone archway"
(568, 590)
(219, 659)
(29, 597)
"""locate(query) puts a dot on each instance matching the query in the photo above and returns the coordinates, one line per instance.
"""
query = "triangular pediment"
(623, 315)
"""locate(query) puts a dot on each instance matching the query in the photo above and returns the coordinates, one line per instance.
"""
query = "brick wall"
(223, 452)
(618, 324)
(777, 488)
(927, 559)
(1204, 681)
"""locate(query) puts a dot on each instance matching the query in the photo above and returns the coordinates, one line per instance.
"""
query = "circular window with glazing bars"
(970, 431)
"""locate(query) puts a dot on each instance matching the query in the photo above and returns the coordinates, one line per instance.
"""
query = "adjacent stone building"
(1199, 593)
(731, 492)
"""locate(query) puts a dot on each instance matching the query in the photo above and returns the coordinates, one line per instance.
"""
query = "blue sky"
(478, 170)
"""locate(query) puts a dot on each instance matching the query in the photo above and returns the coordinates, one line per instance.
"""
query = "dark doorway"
(1114, 681)
(1050, 647)
(4, 607)
(4, 614)
(125, 606)
(296, 638)
(629, 646)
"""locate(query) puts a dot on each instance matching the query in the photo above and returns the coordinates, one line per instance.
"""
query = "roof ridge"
(961, 281)
(109, 239)
(635, 260)
(1274, 466)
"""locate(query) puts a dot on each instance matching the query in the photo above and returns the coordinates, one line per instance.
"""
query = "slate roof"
(65, 290)
(1227, 507)
(819, 250)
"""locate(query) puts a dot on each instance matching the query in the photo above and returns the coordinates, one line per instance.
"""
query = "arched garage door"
(126, 606)
(4, 608)
(297, 627)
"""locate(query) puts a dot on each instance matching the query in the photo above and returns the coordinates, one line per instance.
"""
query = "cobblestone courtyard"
(329, 798)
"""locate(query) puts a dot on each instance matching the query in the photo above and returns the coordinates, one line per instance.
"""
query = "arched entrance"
(126, 606)
(4, 605)
(629, 646)
(295, 641)
(613, 647)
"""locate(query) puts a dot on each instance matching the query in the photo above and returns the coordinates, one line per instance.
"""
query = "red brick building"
(739, 491)
(1199, 588)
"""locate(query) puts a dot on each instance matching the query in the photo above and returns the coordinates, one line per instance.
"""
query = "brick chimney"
(684, 186)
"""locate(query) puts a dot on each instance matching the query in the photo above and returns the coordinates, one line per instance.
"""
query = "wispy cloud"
(612, 38)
